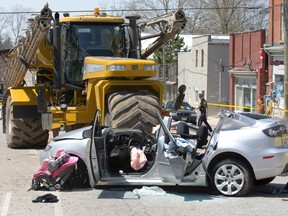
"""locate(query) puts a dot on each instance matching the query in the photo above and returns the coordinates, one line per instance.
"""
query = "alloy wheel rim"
(229, 179)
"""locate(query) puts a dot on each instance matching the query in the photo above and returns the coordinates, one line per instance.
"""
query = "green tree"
(172, 48)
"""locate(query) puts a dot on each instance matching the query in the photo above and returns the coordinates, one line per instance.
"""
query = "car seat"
(183, 131)
(201, 134)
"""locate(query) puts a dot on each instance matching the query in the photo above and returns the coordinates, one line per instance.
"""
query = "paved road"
(18, 166)
(213, 120)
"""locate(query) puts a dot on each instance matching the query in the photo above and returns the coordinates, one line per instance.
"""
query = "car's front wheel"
(79, 176)
(231, 177)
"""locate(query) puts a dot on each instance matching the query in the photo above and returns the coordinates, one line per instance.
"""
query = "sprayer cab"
(91, 35)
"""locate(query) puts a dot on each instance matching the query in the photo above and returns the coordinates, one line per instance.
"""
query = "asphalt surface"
(213, 120)
(18, 166)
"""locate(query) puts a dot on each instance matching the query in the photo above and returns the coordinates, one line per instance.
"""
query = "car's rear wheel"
(231, 177)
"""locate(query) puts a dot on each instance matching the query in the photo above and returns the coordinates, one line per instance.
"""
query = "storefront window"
(245, 94)
(279, 89)
(278, 86)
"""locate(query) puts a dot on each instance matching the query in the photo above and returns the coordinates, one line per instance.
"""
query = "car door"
(91, 152)
(172, 167)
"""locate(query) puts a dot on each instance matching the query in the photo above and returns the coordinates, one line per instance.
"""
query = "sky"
(55, 5)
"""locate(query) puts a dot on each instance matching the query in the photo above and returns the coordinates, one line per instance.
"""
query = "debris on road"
(149, 191)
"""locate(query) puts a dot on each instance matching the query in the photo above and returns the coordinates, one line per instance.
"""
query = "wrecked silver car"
(243, 150)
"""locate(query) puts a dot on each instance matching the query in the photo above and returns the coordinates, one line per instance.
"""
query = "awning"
(239, 73)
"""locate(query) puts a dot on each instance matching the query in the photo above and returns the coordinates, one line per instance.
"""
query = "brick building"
(248, 71)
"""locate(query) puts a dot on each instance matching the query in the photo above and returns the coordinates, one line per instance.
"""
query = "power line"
(137, 10)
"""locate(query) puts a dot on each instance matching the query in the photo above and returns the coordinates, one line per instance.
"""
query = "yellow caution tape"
(251, 108)
(230, 106)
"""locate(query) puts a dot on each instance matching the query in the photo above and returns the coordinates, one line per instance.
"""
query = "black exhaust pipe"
(134, 38)
(57, 53)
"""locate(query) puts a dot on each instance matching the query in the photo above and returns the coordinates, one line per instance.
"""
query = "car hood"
(74, 134)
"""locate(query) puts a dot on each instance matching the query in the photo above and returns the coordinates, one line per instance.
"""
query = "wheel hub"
(229, 179)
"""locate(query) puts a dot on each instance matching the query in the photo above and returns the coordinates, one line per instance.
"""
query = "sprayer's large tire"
(24, 132)
(134, 109)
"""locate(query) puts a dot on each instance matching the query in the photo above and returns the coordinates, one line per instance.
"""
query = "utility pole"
(221, 71)
(164, 72)
(285, 22)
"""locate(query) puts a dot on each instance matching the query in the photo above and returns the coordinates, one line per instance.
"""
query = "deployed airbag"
(138, 158)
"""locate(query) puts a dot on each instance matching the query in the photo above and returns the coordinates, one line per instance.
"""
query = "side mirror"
(87, 133)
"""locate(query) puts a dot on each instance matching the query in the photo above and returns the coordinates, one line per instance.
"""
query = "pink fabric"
(71, 161)
(138, 158)
(44, 168)
(60, 152)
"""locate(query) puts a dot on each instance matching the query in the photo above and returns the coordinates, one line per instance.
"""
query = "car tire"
(192, 122)
(264, 181)
(231, 177)
(79, 176)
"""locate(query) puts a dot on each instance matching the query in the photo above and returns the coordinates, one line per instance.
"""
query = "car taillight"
(276, 131)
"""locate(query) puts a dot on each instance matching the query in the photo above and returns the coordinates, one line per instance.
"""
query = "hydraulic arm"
(169, 24)
(22, 55)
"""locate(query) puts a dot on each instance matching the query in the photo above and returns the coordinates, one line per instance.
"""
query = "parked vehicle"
(244, 150)
(186, 112)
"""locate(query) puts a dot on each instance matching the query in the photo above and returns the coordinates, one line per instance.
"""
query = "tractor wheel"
(134, 109)
(24, 132)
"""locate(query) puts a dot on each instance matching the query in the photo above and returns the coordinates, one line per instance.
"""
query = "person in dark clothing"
(203, 109)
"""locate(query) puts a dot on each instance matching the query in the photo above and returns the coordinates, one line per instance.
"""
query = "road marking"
(58, 211)
(5, 207)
